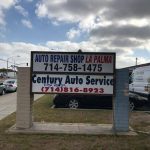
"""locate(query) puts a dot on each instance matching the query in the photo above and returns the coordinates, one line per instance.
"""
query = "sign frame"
(73, 73)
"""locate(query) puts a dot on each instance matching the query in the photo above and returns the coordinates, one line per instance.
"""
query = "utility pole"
(7, 68)
(14, 68)
(8, 61)
(136, 61)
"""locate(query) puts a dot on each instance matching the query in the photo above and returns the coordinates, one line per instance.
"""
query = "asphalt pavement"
(8, 103)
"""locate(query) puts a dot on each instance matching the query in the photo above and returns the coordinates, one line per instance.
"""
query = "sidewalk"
(8, 103)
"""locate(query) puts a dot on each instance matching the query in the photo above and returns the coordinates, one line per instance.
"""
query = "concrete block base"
(70, 128)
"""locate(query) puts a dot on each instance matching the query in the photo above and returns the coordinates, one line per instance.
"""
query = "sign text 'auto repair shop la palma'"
(64, 72)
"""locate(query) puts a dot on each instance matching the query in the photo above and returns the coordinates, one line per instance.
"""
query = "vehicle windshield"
(131, 78)
(9, 82)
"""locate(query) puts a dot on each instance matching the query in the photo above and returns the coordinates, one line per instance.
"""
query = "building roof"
(136, 66)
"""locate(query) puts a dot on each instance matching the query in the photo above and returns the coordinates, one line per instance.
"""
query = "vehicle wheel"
(73, 104)
(132, 106)
(15, 89)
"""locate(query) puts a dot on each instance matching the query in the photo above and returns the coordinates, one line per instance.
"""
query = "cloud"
(121, 36)
(55, 23)
(4, 6)
(18, 48)
(86, 46)
(26, 23)
(120, 26)
(125, 42)
(110, 19)
(77, 10)
(120, 9)
(72, 34)
(2, 21)
(29, 0)
(69, 11)
(125, 57)
(7, 4)
(21, 10)
(127, 31)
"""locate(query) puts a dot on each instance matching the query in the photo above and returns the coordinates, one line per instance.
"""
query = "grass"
(67, 115)
(140, 121)
(42, 112)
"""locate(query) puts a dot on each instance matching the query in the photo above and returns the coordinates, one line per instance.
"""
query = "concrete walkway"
(8, 103)
(70, 128)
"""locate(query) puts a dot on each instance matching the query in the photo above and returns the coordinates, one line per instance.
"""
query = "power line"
(13, 62)
(6, 60)
(2, 59)
(22, 63)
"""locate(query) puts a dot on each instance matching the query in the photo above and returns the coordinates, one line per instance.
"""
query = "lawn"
(43, 112)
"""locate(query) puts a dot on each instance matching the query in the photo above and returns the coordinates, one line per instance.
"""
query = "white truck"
(139, 87)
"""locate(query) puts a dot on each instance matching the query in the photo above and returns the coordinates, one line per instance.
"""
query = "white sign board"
(62, 72)
(73, 62)
(54, 83)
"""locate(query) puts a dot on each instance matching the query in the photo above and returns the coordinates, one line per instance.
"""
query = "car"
(11, 85)
(2, 88)
(74, 101)
(136, 104)
(80, 101)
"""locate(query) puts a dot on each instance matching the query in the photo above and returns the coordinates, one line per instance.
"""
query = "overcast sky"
(121, 26)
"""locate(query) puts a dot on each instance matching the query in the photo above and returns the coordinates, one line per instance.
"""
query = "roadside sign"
(73, 62)
(56, 83)
(64, 72)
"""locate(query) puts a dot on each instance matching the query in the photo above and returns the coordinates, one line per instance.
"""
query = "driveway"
(8, 103)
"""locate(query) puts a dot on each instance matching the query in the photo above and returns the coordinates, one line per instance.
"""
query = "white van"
(139, 88)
